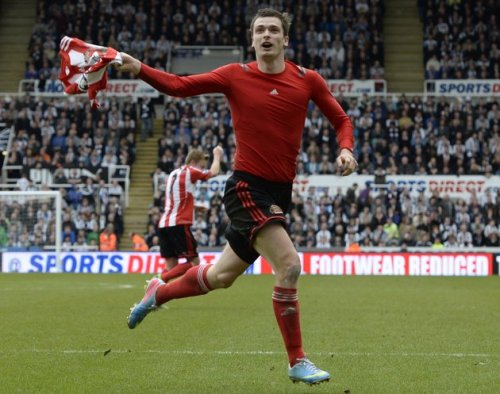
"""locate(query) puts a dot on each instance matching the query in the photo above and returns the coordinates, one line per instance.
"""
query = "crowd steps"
(17, 18)
(141, 185)
(403, 38)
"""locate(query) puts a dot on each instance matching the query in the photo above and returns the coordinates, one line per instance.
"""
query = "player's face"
(268, 38)
(204, 161)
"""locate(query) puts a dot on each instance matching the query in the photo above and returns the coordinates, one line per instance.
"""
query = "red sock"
(286, 310)
(178, 270)
(192, 283)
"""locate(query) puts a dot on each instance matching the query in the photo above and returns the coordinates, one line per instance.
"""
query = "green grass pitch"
(67, 333)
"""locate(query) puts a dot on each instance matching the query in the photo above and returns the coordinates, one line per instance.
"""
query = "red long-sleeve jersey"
(268, 111)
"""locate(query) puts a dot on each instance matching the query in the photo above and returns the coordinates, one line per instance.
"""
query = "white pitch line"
(253, 353)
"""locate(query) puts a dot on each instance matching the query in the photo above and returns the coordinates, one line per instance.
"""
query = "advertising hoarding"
(313, 263)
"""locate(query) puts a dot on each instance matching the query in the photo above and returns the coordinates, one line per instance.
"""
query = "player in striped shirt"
(174, 228)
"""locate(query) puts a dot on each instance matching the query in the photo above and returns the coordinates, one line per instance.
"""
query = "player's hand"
(130, 64)
(218, 151)
(346, 162)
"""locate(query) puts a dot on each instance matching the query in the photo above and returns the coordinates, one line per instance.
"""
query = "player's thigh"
(227, 270)
(273, 243)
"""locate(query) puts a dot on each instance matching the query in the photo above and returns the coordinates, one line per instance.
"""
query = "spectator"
(69, 235)
(93, 234)
(433, 68)
(147, 114)
(138, 243)
(437, 244)
(108, 239)
(392, 231)
(464, 236)
(3, 234)
(155, 244)
(451, 242)
(323, 237)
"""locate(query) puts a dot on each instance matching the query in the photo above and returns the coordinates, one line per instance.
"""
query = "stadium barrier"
(313, 263)
(462, 87)
(114, 87)
(464, 186)
(138, 88)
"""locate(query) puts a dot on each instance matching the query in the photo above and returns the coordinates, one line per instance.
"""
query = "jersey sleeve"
(199, 175)
(216, 81)
(330, 107)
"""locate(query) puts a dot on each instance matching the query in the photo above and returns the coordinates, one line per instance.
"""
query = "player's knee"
(223, 280)
(293, 272)
(291, 268)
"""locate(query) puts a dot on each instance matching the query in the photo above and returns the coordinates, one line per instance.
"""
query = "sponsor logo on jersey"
(275, 210)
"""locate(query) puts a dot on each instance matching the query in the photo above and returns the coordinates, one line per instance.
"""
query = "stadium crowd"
(396, 135)
(76, 151)
(149, 29)
(461, 39)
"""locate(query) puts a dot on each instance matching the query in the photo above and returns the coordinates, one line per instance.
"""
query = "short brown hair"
(265, 12)
(196, 156)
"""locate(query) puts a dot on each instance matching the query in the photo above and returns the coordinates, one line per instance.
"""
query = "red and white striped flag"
(83, 67)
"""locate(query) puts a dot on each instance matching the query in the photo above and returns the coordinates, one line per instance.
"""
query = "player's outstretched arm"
(216, 81)
(215, 167)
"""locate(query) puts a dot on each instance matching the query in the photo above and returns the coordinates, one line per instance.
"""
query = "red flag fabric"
(84, 66)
